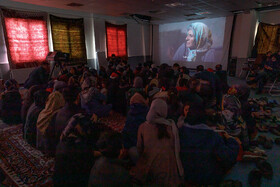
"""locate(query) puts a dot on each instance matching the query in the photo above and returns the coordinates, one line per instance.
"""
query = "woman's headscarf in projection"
(202, 38)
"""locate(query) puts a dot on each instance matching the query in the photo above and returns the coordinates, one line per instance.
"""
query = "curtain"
(116, 40)
(268, 38)
(26, 37)
(68, 36)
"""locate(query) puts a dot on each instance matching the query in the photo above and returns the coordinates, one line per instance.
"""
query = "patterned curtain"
(116, 40)
(68, 37)
(26, 37)
(268, 38)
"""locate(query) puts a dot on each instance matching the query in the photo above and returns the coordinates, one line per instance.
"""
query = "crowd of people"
(268, 70)
(180, 128)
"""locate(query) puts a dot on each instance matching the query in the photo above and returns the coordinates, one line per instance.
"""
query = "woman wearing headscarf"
(92, 101)
(136, 116)
(30, 129)
(11, 103)
(197, 45)
(55, 101)
(159, 148)
(74, 159)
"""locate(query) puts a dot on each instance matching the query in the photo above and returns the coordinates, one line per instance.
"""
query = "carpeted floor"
(22, 164)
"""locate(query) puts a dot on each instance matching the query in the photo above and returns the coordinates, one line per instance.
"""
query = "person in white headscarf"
(158, 146)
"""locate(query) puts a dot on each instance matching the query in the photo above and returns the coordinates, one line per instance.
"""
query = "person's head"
(104, 84)
(183, 82)
(158, 110)
(194, 85)
(70, 94)
(146, 65)
(73, 70)
(176, 67)
(40, 98)
(46, 66)
(79, 127)
(219, 67)
(110, 144)
(138, 82)
(195, 113)
(32, 91)
(274, 58)
(199, 68)
(268, 54)
(137, 98)
(11, 84)
(173, 99)
(199, 37)
(59, 85)
(184, 70)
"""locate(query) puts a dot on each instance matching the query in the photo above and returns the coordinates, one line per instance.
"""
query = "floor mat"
(116, 121)
(21, 163)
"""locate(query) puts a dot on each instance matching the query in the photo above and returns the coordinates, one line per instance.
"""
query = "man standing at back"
(38, 76)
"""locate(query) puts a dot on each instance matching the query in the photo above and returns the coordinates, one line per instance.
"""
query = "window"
(116, 40)
(26, 37)
(68, 37)
(28, 40)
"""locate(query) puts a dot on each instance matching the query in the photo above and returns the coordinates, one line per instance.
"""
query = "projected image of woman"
(197, 46)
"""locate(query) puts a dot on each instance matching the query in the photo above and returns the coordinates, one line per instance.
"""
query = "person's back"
(108, 172)
(38, 76)
(30, 129)
(204, 154)
(136, 116)
(62, 117)
(158, 148)
(157, 156)
(74, 158)
(11, 107)
(73, 161)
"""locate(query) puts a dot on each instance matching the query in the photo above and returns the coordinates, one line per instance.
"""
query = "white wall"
(271, 17)
(243, 34)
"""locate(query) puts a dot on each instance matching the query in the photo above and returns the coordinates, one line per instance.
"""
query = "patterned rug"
(116, 121)
(22, 164)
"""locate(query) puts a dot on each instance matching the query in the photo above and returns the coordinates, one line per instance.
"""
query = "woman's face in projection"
(190, 39)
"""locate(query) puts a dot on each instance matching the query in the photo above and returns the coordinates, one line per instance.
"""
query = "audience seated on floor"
(178, 129)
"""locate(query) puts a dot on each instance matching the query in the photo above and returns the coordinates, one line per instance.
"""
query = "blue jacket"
(205, 155)
(135, 117)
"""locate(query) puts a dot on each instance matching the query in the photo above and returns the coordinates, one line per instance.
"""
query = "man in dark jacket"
(222, 74)
(210, 85)
(206, 156)
(39, 76)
